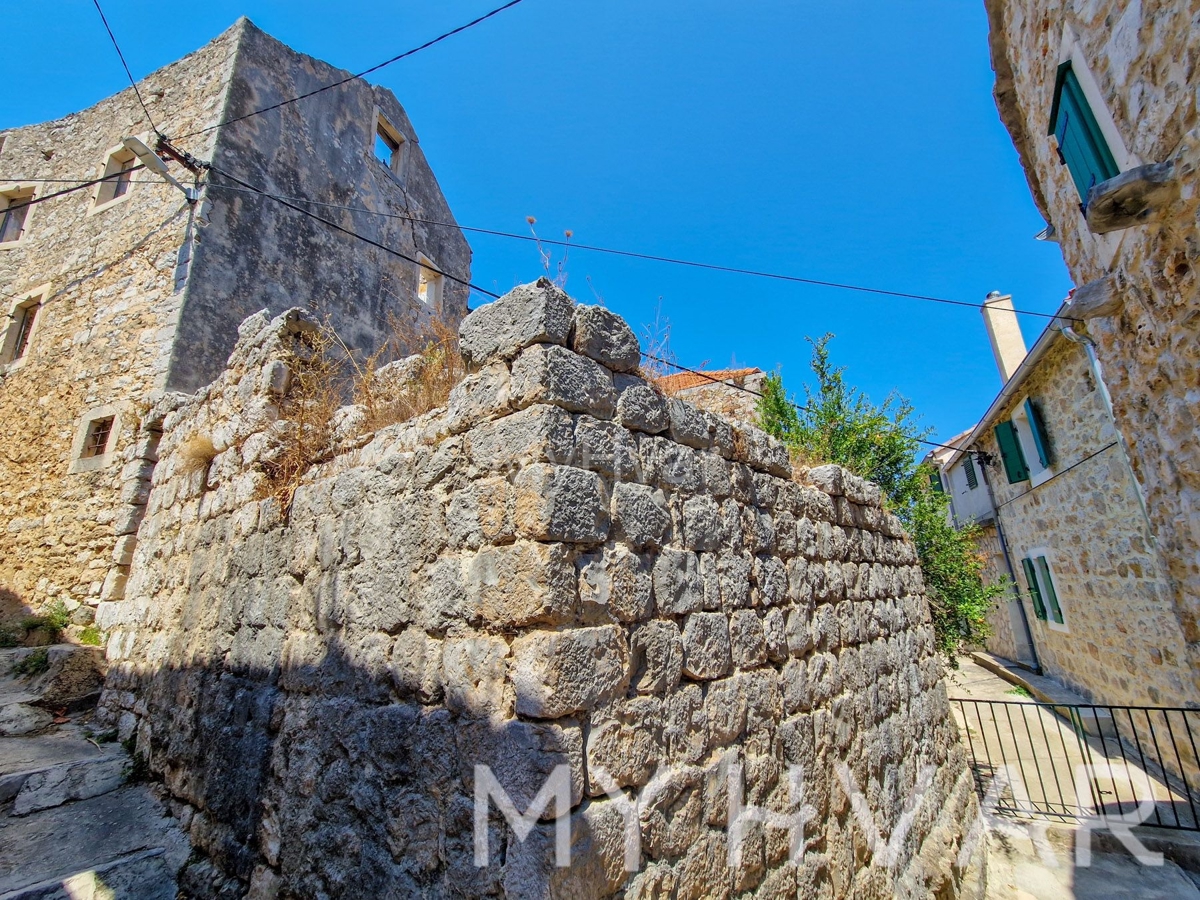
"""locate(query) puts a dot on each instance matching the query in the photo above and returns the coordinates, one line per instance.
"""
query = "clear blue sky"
(853, 141)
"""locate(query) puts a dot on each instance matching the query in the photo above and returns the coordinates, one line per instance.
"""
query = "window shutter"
(1038, 429)
(1010, 451)
(1080, 141)
(935, 481)
(1035, 594)
(969, 469)
(1048, 584)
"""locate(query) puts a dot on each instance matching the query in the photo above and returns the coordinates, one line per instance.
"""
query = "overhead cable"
(112, 37)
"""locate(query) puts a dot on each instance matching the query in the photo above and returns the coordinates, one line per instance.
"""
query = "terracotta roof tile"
(684, 380)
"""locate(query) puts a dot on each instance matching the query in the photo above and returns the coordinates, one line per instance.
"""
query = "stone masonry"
(560, 568)
(144, 294)
(1142, 57)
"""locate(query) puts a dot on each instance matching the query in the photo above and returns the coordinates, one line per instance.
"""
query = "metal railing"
(1076, 761)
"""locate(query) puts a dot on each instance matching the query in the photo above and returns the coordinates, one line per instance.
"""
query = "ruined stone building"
(1047, 480)
(1100, 99)
(123, 290)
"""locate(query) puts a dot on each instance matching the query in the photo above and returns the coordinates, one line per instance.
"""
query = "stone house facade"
(122, 290)
(1100, 99)
(1046, 478)
(732, 393)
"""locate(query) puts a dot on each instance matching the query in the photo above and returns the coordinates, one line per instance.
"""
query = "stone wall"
(142, 295)
(1121, 641)
(561, 568)
(1143, 57)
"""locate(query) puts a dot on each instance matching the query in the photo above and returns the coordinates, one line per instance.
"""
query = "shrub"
(32, 664)
(91, 636)
(196, 454)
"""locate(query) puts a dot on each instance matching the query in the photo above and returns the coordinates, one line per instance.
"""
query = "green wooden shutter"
(1080, 140)
(1035, 594)
(1038, 429)
(969, 469)
(1010, 451)
(1048, 584)
(935, 481)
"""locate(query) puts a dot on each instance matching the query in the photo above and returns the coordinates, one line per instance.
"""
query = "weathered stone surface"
(689, 425)
(615, 582)
(657, 653)
(558, 673)
(521, 583)
(678, 588)
(530, 314)
(747, 638)
(706, 649)
(640, 514)
(602, 335)
(560, 503)
(549, 374)
(640, 406)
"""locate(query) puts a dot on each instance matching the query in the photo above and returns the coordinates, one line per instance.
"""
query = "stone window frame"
(7, 194)
(433, 276)
(383, 128)
(113, 159)
(1045, 552)
(80, 463)
(1038, 474)
(36, 297)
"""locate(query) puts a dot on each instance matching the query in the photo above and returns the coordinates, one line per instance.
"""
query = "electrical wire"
(622, 253)
(375, 68)
(1057, 474)
(354, 234)
(78, 187)
(112, 37)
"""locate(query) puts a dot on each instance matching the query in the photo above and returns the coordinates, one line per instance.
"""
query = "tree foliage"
(839, 424)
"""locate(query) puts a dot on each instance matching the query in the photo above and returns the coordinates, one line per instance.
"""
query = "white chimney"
(1004, 331)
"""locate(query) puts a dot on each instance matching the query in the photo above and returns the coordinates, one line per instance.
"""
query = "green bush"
(839, 424)
(91, 635)
(35, 663)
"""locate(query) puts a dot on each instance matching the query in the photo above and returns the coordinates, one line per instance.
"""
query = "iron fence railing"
(1134, 764)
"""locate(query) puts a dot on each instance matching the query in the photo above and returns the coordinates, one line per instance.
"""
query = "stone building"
(125, 289)
(732, 393)
(1100, 99)
(1046, 478)
(560, 571)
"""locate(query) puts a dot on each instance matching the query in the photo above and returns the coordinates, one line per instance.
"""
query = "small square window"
(429, 284)
(23, 319)
(118, 177)
(98, 433)
(23, 323)
(14, 211)
(389, 145)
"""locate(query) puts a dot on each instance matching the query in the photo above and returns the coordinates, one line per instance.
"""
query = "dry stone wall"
(561, 575)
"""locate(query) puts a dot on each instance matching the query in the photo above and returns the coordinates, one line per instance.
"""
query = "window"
(23, 319)
(389, 145)
(1081, 144)
(969, 471)
(429, 283)
(1042, 591)
(14, 212)
(98, 433)
(1024, 448)
(118, 177)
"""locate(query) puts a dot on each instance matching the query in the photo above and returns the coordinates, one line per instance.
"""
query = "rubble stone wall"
(561, 568)
(1143, 57)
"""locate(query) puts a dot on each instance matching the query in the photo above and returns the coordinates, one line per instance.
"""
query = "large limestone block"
(602, 335)
(615, 582)
(529, 314)
(540, 433)
(657, 657)
(641, 407)
(560, 503)
(521, 584)
(548, 374)
(560, 672)
(678, 587)
(640, 514)
(706, 647)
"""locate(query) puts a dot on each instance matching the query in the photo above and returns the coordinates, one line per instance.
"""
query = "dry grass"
(658, 359)
(406, 388)
(196, 454)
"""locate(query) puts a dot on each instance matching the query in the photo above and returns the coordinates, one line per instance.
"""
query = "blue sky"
(854, 141)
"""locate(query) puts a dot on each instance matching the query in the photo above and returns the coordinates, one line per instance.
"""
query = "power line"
(741, 387)
(1057, 474)
(354, 234)
(112, 37)
(375, 68)
(635, 254)
(78, 187)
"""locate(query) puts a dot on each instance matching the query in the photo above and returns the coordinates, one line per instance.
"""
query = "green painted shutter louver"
(935, 481)
(1035, 593)
(1081, 144)
(1044, 570)
(1038, 429)
(1010, 452)
(969, 469)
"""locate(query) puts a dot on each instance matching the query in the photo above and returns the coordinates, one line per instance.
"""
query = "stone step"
(139, 876)
(56, 785)
(63, 676)
(97, 835)
(21, 757)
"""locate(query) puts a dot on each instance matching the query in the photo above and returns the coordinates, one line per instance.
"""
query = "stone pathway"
(1019, 870)
(72, 826)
